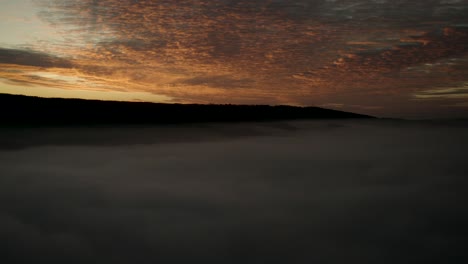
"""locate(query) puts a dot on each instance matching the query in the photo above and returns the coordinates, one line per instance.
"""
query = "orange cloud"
(295, 52)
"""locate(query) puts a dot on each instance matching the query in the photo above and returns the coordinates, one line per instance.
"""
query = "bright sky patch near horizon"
(386, 58)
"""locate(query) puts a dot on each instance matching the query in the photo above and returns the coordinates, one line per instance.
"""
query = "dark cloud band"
(32, 58)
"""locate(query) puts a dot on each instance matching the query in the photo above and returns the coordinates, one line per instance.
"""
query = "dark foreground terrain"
(330, 191)
(21, 110)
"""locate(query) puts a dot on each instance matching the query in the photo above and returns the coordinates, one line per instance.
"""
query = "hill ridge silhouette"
(30, 110)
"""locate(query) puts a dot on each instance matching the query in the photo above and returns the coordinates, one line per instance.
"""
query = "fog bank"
(286, 192)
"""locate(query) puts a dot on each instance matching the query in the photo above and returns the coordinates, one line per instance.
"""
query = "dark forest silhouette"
(27, 110)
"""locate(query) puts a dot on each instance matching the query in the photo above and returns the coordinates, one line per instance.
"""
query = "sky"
(397, 58)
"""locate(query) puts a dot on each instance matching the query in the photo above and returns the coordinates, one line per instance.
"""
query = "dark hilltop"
(37, 111)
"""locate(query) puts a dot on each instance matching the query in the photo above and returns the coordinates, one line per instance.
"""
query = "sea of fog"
(368, 191)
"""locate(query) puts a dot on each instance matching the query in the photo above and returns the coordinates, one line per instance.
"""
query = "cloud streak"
(32, 58)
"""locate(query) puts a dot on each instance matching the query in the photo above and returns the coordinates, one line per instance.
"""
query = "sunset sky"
(391, 58)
